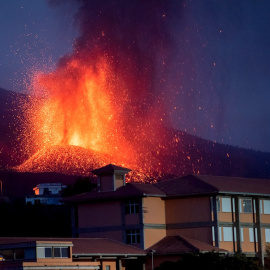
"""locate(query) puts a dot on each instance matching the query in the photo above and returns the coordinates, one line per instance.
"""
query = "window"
(251, 235)
(226, 204)
(44, 252)
(241, 234)
(247, 206)
(107, 267)
(56, 252)
(60, 252)
(219, 233)
(267, 235)
(133, 236)
(227, 234)
(132, 206)
(266, 204)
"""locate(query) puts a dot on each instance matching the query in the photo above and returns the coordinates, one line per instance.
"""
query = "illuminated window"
(133, 236)
(132, 207)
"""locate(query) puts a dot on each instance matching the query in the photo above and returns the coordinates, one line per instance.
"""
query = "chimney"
(111, 177)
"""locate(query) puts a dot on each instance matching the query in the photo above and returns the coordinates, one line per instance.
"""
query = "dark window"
(65, 252)
(119, 177)
(133, 236)
(48, 252)
(132, 206)
(57, 252)
(247, 206)
(61, 252)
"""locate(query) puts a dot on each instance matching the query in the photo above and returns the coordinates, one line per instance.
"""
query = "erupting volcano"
(107, 96)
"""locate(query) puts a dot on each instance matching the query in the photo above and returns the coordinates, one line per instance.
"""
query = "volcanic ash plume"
(107, 96)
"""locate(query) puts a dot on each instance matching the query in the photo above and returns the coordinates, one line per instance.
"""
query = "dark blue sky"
(219, 65)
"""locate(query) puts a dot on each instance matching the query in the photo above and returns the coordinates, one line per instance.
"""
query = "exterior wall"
(154, 220)
(251, 224)
(190, 217)
(116, 235)
(99, 214)
(112, 265)
(100, 219)
(15, 265)
(132, 219)
(152, 236)
(186, 210)
(106, 182)
(203, 234)
(154, 210)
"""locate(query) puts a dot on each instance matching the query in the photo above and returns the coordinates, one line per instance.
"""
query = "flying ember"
(104, 96)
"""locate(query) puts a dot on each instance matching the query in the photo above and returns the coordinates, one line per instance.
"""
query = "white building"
(46, 193)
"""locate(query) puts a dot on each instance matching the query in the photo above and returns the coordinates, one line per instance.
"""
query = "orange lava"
(94, 106)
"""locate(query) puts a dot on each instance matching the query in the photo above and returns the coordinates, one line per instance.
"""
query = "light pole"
(152, 251)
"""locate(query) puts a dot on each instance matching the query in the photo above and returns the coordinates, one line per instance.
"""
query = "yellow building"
(224, 213)
(68, 253)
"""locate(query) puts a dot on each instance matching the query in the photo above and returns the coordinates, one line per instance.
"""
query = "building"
(46, 193)
(223, 213)
(69, 253)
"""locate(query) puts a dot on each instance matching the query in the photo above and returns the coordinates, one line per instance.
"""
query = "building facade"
(228, 213)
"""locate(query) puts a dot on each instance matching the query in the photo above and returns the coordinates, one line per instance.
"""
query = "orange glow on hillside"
(90, 106)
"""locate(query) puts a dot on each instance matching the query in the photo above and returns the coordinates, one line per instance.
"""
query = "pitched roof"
(188, 185)
(177, 244)
(127, 191)
(237, 184)
(85, 246)
(206, 184)
(185, 186)
(110, 169)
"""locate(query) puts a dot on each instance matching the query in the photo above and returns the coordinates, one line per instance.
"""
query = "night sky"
(217, 77)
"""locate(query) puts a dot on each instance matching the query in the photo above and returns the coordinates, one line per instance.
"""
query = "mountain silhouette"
(192, 155)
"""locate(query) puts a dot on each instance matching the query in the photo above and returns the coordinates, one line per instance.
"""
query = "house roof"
(127, 191)
(206, 184)
(85, 246)
(191, 185)
(177, 244)
(110, 169)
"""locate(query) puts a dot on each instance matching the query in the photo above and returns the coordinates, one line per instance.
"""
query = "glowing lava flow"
(82, 106)
(105, 97)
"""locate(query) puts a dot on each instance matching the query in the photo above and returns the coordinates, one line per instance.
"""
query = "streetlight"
(152, 251)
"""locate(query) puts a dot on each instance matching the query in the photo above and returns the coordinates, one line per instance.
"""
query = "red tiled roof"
(184, 186)
(237, 184)
(188, 185)
(85, 246)
(205, 184)
(178, 244)
(127, 191)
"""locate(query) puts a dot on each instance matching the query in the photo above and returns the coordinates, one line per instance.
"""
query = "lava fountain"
(105, 95)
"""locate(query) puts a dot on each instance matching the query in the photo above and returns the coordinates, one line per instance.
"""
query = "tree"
(81, 185)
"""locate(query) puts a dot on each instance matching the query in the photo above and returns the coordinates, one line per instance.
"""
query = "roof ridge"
(209, 185)
(187, 242)
(136, 187)
(149, 184)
